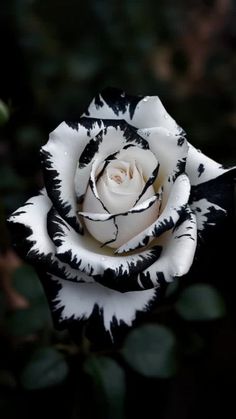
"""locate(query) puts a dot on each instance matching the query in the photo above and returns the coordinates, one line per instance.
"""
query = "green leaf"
(26, 282)
(109, 386)
(46, 368)
(4, 113)
(151, 351)
(200, 302)
(28, 321)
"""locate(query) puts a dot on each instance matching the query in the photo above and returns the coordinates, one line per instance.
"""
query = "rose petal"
(126, 224)
(177, 255)
(30, 237)
(84, 253)
(139, 111)
(171, 212)
(71, 303)
(206, 213)
(171, 151)
(59, 159)
(146, 160)
(201, 168)
(140, 207)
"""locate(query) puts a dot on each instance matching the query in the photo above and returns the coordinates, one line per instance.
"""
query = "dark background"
(55, 56)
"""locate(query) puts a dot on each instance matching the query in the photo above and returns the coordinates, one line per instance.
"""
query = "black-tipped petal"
(73, 304)
(85, 254)
(30, 237)
(139, 111)
(60, 157)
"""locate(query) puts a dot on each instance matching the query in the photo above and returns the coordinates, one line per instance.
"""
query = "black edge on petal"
(130, 134)
(218, 191)
(101, 338)
(90, 150)
(92, 185)
(180, 168)
(53, 226)
(53, 183)
(127, 281)
(116, 234)
(51, 289)
(73, 125)
(149, 182)
(118, 100)
(107, 160)
(23, 247)
(93, 327)
(123, 214)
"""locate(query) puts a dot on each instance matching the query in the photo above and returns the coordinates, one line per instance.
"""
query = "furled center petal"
(120, 185)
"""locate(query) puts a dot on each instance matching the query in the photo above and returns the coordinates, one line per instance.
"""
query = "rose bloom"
(126, 201)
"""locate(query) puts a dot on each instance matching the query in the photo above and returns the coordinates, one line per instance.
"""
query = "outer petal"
(201, 168)
(212, 202)
(30, 237)
(139, 111)
(71, 303)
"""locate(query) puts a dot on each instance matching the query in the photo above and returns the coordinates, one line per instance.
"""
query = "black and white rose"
(126, 201)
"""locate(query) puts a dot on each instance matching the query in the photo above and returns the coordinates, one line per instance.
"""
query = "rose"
(125, 197)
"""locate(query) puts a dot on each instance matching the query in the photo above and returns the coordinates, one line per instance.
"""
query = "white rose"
(125, 197)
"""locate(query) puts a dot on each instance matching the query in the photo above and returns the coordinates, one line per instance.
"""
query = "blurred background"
(55, 56)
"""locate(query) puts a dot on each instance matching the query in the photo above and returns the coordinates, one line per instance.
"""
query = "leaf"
(109, 386)
(28, 321)
(26, 282)
(151, 351)
(4, 113)
(200, 302)
(46, 368)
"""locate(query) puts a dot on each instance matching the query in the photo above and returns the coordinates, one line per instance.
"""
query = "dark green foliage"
(109, 387)
(46, 368)
(200, 302)
(151, 351)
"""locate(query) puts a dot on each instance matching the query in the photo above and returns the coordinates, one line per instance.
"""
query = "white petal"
(141, 112)
(84, 253)
(201, 168)
(170, 150)
(119, 228)
(34, 243)
(170, 214)
(118, 198)
(60, 157)
(177, 256)
(77, 301)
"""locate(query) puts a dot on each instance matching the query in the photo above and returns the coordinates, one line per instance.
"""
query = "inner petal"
(120, 185)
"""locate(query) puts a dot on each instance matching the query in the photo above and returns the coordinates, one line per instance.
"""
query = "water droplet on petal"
(145, 99)
(65, 153)
(165, 116)
(199, 151)
(103, 259)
